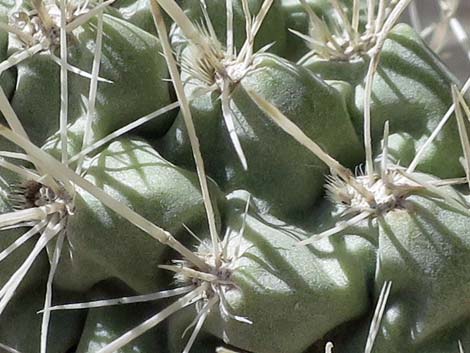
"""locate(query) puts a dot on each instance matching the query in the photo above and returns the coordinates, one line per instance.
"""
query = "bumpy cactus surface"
(265, 176)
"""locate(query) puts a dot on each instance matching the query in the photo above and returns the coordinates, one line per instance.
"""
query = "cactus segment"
(306, 192)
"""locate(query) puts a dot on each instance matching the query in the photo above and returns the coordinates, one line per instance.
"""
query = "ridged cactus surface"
(264, 176)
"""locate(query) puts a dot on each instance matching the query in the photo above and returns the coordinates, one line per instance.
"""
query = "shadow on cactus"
(285, 248)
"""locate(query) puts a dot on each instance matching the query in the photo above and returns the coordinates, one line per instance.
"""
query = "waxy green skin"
(102, 245)
(284, 186)
(353, 337)
(7, 78)
(178, 323)
(130, 59)
(411, 90)
(20, 325)
(136, 12)
(424, 251)
(422, 248)
(75, 134)
(295, 296)
(278, 285)
(36, 97)
(9, 236)
(103, 325)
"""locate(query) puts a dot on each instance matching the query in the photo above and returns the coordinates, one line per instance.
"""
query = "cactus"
(265, 176)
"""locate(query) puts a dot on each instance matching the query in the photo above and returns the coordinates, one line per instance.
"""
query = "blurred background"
(439, 21)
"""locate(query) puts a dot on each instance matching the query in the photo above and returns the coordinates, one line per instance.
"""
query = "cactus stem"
(236, 252)
(376, 319)
(125, 129)
(210, 285)
(52, 220)
(129, 336)
(55, 225)
(378, 315)
(35, 153)
(459, 102)
(199, 240)
(19, 132)
(63, 174)
(90, 115)
(359, 195)
(298, 134)
(419, 155)
(163, 35)
(214, 67)
(389, 192)
(294, 131)
(78, 71)
(10, 115)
